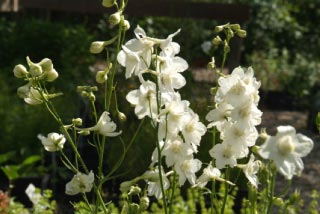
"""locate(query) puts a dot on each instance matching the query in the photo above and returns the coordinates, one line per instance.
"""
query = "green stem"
(226, 190)
(271, 185)
(172, 192)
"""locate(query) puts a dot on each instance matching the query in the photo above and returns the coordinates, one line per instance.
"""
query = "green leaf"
(318, 121)
(6, 156)
(31, 160)
(11, 171)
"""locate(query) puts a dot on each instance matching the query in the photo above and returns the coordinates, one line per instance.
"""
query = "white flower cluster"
(235, 116)
(179, 128)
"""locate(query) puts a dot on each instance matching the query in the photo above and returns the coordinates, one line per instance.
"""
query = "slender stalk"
(226, 190)
(270, 187)
(172, 192)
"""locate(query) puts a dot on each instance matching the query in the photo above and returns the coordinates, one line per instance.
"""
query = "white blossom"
(53, 142)
(105, 126)
(286, 149)
(80, 183)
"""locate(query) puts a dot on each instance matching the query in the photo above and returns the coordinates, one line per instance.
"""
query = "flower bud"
(219, 28)
(35, 70)
(125, 186)
(122, 117)
(84, 132)
(241, 33)
(263, 135)
(213, 91)
(92, 97)
(115, 18)
(134, 190)
(101, 76)
(108, 3)
(211, 65)
(217, 41)
(226, 47)
(235, 27)
(144, 203)
(20, 71)
(125, 25)
(23, 91)
(97, 47)
(77, 122)
(51, 75)
(278, 201)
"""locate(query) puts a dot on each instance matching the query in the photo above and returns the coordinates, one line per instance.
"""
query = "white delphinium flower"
(186, 169)
(170, 78)
(53, 142)
(235, 134)
(286, 149)
(251, 169)
(224, 154)
(33, 97)
(246, 115)
(193, 129)
(33, 194)
(80, 183)
(176, 111)
(176, 150)
(105, 126)
(219, 115)
(210, 173)
(144, 99)
(153, 181)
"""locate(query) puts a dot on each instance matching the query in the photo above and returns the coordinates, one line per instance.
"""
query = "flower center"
(285, 145)
(227, 153)
(176, 146)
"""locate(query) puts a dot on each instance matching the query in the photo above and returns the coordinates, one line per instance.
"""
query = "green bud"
(108, 3)
(217, 41)
(20, 71)
(213, 90)
(92, 97)
(235, 27)
(125, 25)
(212, 65)
(84, 94)
(241, 33)
(94, 88)
(144, 203)
(226, 47)
(134, 190)
(101, 77)
(115, 18)
(122, 117)
(97, 47)
(219, 28)
(263, 135)
(84, 132)
(278, 201)
(77, 121)
(134, 208)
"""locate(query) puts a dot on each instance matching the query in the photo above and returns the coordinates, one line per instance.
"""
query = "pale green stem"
(172, 192)
(226, 190)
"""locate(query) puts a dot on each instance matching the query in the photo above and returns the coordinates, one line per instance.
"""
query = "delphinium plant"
(237, 146)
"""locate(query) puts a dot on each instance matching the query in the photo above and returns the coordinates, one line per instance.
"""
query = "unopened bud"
(101, 77)
(122, 117)
(115, 18)
(84, 94)
(241, 33)
(97, 47)
(92, 97)
(125, 186)
(219, 28)
(213, 91)
(226, 47)
(51, 75)
(84, 132)
(125, 25)
(278, 201)
(212, 65)
(77, 121)
(94, 88)
(134, 190)
(217, 41)
(108, 3)
(20, 71)
(235, 27)
(263, 135)
(144, 203)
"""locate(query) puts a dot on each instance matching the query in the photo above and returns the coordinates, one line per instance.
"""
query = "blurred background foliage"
(282, 46)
